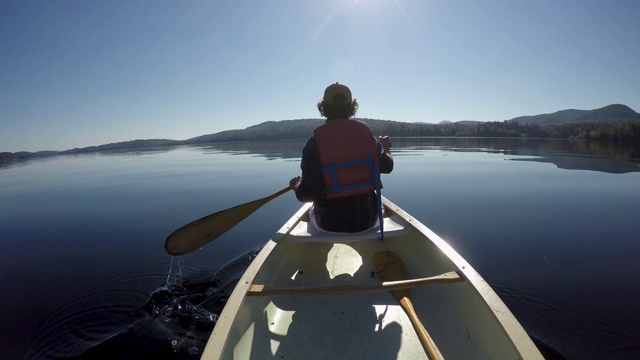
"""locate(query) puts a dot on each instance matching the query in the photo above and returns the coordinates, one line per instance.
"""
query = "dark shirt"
(344, 214)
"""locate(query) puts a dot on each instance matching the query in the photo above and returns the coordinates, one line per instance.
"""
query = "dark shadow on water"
(555, 330)
(150, 312)
(585, 163)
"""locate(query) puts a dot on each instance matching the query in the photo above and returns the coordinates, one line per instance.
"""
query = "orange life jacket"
(349, 157)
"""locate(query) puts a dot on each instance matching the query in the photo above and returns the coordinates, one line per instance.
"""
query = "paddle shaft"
(200, 232)
(425, 338)
(390, 267)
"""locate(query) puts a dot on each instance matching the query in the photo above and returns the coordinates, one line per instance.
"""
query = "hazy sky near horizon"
(77, 73)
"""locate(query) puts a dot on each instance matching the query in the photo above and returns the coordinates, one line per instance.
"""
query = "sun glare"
(361, 8)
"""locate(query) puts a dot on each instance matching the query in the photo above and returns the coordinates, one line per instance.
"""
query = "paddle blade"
(198, 233)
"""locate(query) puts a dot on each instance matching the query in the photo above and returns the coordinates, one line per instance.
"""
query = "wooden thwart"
(263, 290)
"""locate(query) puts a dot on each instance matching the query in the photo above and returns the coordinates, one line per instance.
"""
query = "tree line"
(626, 132)
(623, 131)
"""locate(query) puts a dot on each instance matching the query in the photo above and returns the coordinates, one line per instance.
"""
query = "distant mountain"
(467, 122)
(614, 123)
(610, 113)
(7, 157)
(616, 112)
(285, 129)
(271, 125)
(125, 145)
(461, 122)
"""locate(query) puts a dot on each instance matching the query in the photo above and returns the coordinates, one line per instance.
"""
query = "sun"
(360, 8)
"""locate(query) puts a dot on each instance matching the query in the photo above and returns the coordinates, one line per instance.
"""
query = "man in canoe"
(341, 166)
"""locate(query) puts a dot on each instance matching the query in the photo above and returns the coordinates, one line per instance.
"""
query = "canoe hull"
(466, 319)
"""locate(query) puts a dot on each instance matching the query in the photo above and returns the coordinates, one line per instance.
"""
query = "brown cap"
(337, 94)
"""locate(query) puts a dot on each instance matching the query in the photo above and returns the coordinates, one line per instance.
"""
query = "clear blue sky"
(80, 73)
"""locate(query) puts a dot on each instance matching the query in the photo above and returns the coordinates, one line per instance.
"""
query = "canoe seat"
(305, 231)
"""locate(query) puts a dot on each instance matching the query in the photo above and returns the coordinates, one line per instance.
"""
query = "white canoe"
(311, 296)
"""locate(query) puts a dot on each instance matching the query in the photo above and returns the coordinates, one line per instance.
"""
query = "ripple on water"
(150, 311)
(567, 333)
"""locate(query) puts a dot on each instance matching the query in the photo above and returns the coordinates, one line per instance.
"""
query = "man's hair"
(338, 111)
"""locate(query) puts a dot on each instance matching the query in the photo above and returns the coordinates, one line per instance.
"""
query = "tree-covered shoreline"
(617, 131)
(613, 123)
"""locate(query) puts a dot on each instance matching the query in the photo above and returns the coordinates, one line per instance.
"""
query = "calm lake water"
(553, 226)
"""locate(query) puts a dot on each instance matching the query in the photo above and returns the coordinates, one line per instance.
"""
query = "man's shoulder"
(311, 147)
(311, 141)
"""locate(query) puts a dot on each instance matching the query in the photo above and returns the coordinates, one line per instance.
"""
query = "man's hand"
(295, 182)
(385, 141)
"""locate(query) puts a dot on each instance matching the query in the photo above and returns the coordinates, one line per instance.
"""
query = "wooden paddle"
(196, 234)
(390, 268)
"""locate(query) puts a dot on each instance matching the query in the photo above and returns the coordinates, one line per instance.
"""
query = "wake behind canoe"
(312, 296)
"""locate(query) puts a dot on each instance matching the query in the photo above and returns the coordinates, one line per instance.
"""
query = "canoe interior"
(465, 319)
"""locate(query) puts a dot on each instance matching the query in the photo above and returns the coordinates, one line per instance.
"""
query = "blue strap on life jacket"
(376, 175)
(333, 168)
(375, 182)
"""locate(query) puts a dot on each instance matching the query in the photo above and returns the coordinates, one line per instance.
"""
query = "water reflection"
(615, 158)
(565, 154)
(270, 150)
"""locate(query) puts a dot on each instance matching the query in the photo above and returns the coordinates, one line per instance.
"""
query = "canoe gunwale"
(219, 337)
(510, 326)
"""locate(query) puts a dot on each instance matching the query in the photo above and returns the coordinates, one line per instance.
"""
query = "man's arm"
(384, 154)
(312, 182)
